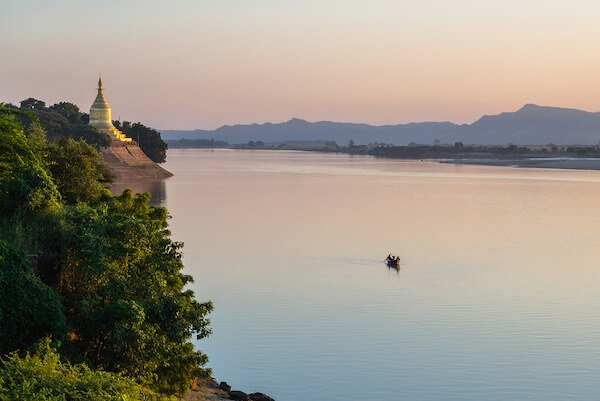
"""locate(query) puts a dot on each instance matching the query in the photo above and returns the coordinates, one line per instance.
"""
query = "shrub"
(42, 376)
(29, 309)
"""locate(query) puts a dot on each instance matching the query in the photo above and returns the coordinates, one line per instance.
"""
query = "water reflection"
(156, 188)
(393, 262)
(395, 268)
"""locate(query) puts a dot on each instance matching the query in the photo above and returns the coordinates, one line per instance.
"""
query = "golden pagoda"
(101, 117)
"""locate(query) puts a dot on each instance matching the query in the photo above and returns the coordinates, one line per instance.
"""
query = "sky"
(201, 63)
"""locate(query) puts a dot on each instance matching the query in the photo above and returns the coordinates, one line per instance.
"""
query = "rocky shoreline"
(212, 390)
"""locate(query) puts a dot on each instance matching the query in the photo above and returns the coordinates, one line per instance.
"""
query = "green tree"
(77, 169)
(147, 138)
(78, 127)
(29, 309)
(59, 121)
(29, 199)
(111, 260)
(31, 103)
(68, 110)
(25, 185)
(90, 135)
(125, 295)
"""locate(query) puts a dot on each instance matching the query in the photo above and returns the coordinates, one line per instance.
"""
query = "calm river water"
(497, 298)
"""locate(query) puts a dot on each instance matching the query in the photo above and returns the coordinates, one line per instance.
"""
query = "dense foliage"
(78, 170)
(42, 376)
(106, 278)
(29, 309)
(148, 139)
(29, 197)
(59, 120)
(131, 313)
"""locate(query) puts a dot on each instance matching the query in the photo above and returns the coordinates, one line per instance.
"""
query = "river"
(497, 296)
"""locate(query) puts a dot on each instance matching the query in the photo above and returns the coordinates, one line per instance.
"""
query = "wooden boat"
(395, 263)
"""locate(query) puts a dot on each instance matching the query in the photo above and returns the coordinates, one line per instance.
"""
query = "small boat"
(395, 263)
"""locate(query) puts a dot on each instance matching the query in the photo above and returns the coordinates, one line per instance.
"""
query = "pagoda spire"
(100, 82)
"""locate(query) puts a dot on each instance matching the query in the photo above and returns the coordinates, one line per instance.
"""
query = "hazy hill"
(529, 125)
(534, 124)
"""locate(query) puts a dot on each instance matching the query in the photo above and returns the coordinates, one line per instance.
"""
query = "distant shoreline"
(550, 163)
(565, 158)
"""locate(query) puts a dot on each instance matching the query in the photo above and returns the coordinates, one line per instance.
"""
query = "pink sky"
(202, 64)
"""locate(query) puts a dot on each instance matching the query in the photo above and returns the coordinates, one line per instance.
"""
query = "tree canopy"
(131, 314)
(59, 120)
(78, 170)
(102, 275)
(33, 104)
(68, 110)
(27, 186)
(29, 309)
(64, 119)
(148, 139)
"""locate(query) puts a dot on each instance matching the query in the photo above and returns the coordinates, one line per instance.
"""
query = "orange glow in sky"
(202, 64)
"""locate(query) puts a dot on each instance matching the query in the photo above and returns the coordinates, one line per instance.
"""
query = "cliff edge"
(128, 161)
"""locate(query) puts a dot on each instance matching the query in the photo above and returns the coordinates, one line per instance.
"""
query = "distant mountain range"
(530, 125)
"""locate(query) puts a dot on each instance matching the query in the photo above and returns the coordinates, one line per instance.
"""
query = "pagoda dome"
(100, 102)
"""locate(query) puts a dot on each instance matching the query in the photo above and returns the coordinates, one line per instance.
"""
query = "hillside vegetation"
(64, 119)
(93, 301)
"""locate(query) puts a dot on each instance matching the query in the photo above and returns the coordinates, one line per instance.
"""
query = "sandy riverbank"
(555, 163)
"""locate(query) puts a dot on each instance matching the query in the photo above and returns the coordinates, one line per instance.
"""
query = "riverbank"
(553, 163)
(206, 390)
(549, 156)
(211, 390)
(128, 161)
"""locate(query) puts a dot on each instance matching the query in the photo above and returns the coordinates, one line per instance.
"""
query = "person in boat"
(392, 259)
